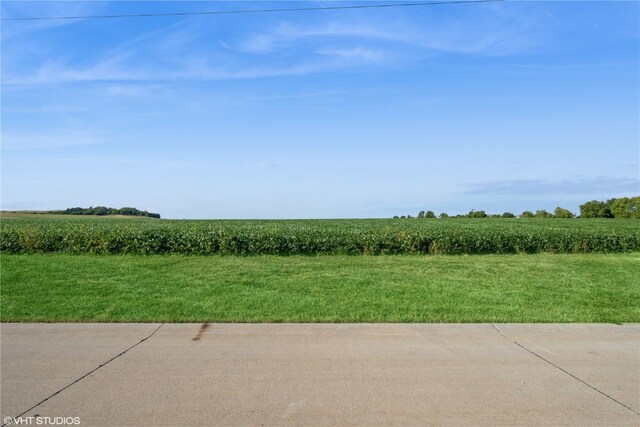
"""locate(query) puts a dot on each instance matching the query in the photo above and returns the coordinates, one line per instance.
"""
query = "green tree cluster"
(623, 207)
(103, 210)
(476, 214)
(543, 214)
(595, 209)
(562, 213)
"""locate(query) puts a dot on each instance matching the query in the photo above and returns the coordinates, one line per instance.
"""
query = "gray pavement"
(321, 374)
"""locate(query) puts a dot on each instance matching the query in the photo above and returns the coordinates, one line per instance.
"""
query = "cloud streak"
(356, 53)
(15, 9)
(54, 138)
(183, 50)
(495, 36)
(535, 187)
(111, 71)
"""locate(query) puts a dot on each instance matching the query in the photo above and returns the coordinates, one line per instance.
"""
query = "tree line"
(623, 207)
(103, 210)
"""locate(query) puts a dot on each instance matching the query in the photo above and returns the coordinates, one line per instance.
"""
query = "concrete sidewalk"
(321, 374)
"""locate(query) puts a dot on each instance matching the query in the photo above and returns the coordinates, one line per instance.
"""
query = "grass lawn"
(180, 288)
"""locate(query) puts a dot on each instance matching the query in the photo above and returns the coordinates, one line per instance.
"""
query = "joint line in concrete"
(88, 373)
(565, 371)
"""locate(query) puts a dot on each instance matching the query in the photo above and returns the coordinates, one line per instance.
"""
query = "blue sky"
(350, 113)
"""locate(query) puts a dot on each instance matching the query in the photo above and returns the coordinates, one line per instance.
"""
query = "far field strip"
(338, 288)
(312, 237)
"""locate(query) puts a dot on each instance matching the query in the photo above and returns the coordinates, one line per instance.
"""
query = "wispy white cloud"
(177, 51)
(596, 185)
(496, 35)
(358, 53)
(127, 91)
(123, 161)
(136, 58)
(103, 72)
(54, 138)
(17, 9)
(42, 109)
(285, 35)
(111, 68)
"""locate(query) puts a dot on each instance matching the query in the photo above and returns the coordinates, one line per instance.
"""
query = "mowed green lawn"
(180, 288)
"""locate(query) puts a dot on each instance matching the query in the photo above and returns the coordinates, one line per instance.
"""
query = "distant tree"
(73, 211)
(429, 214)
(543, 214)
(403, 217)
(563, 213)
(443, 215)
(595, 209)
(477, 214)
(103, 210)
(527, 214)
(128, 211)
(396, 217)
(100, 210)
(409, 216)
(625, 207)
(420, 214)
(508, 215)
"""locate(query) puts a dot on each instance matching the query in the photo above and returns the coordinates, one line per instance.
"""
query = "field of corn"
(311, 237)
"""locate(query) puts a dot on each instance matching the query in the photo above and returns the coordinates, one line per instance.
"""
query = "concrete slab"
(605, 356)
(37, 359)
(340, 374)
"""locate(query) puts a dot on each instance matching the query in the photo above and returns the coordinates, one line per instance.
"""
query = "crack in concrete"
(87, 374)
(565, 371)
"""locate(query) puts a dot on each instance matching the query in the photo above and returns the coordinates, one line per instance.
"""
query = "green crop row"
(452, 236)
